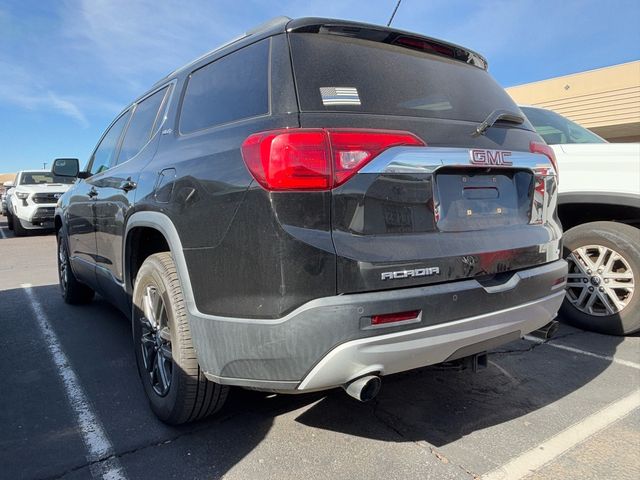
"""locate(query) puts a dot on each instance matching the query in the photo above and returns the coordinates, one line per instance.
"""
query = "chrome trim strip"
(429, 159)
(289, 386)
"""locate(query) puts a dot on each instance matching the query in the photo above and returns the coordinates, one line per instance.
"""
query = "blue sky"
(69, 66)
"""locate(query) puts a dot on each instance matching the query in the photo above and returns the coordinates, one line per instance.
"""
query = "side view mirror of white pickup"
(8, 185)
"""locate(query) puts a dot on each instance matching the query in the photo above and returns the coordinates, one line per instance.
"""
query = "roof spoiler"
(390, 36)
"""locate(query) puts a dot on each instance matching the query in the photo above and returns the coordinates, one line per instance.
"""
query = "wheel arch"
(57, 222)
(578, 208)
(156, 233)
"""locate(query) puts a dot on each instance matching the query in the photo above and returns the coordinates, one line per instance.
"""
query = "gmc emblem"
(490, 157)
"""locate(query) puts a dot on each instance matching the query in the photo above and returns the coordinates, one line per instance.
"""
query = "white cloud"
(19, 88)
(133, 40)
(67, 107)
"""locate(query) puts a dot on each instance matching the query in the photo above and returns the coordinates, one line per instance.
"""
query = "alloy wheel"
(600, 280)
(155, 341)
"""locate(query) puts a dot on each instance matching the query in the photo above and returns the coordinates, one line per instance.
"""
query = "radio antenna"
(394, 13)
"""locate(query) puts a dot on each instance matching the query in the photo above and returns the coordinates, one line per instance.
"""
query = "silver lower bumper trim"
(401, 351)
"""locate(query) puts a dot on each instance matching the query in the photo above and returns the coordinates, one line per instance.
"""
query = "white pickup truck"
(599, 207)
(32, 198)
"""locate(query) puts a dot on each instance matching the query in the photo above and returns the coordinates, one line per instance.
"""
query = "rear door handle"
(93, 192)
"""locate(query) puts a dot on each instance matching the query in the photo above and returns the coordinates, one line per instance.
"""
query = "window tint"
(556, 129)
(231, 88)
(338, 73)
(142, 123)
(105, 155)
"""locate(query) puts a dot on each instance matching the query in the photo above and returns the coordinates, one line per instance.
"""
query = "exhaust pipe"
(363, 389)
(546, 332)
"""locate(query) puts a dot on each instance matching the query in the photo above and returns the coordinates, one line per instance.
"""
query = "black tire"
(618, 238)
(72, 290)
(18, 229)
(189, 396)
(9, 221)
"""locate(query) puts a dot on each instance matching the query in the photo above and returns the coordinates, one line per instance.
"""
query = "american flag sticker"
(339, 96)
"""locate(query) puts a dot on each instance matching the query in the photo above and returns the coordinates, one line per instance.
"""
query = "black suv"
(317, 204)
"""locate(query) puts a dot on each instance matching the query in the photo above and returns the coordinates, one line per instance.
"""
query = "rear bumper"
(398, 352)
(329, 341)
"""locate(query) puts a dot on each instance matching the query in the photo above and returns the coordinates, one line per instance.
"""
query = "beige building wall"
(606, 100)
(5, 177)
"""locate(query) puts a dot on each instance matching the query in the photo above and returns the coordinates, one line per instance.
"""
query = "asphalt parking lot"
(71, 406)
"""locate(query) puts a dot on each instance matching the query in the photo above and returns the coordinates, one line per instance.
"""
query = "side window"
(231, 88)
(141, 127)
(105, 155)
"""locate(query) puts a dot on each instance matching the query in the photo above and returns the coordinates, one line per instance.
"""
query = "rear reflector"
(315, 158)
(394, 317)
(559, 281)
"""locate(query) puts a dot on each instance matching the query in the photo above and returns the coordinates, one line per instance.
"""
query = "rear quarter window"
(140, 128)
(231, 88)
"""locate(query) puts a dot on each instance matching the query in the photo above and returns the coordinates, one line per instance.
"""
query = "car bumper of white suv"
(35, 216)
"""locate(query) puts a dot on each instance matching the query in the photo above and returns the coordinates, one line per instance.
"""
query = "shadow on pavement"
(430, 404)
(30, 233)
(440, 407)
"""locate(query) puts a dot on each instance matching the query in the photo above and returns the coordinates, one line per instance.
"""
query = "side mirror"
(8, 185)
(66, 167)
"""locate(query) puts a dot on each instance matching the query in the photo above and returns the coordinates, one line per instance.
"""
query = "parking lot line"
(538, 456)
(93, 435)
(619, 361)
(4, 235)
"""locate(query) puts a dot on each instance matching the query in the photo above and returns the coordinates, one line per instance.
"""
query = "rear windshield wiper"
(503, 115)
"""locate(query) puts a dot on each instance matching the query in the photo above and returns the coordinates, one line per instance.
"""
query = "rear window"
(229, 89)
(337, 73)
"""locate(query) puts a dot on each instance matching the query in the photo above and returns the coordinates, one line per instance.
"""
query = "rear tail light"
(394, 317)
(540, 196)
(543, 148)
(315, 158)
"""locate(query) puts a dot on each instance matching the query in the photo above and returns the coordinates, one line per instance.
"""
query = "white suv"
(32, 199)
(599, 207)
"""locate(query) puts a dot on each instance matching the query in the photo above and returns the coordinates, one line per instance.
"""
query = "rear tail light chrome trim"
(546, 150)
(429, 159)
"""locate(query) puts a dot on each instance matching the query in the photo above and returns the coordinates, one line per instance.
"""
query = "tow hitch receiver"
(475, 362)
